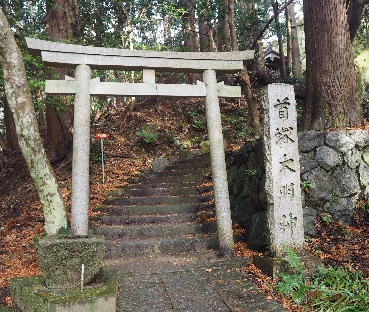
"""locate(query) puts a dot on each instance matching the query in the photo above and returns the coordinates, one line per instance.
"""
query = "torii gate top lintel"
(69, 55)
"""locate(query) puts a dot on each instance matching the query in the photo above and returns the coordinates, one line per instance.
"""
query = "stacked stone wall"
(334, 176)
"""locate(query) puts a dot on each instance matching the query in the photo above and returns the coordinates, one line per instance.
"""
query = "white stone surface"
(36, 46)
(81, 152)
(218, 164)
(285, 215)
(65, 87)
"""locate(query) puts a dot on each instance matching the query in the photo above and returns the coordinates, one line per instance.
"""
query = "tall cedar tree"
(61, 25)
(332, 85)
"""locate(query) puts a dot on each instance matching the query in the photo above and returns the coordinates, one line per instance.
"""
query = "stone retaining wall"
(334, 176)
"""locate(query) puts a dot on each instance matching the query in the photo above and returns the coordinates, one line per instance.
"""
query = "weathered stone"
(61, 259)
(310, 215)
(243, 210)
(340, 141)
(366, 156)
(257, 231)
(360, 137)
(322, 186)
(310, 140)
(346, 182)
(327, 158)
(30, 295)
(341, 209)
(308, 162)
(204, 147)
(364, 174)
(282, 167)
(159, 164)
(353, 158)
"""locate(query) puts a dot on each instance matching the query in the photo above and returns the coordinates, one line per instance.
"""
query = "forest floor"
(135, 138)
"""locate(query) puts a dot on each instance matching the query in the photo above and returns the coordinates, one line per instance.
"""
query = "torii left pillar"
(81, 152)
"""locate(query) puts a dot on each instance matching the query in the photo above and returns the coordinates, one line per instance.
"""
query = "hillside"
(154, 128)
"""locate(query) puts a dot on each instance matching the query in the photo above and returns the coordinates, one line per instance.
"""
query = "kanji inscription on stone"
(285, 216)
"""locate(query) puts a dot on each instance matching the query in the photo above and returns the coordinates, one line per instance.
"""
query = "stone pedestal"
(61, 259)
(30, 294)
(275, 266)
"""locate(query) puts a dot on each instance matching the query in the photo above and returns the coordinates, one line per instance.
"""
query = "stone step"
(160, 263)
(159, 209)
(158, 200)
(198, 159)
(152, 231)
(151, 219)
(161, 185)
(142, 191)
(184, 165)
(139, 247)
(172, 179)
(183, 172)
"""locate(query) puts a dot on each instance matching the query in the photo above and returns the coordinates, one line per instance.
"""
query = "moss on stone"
(61, 258)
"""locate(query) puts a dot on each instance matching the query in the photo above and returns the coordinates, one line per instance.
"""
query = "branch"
(268, 23)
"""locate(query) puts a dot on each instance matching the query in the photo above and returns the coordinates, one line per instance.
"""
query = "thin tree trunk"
(20, 103)
(280, 41)
(231, 25)
(288, 42)
(332, 86)
(296, 56)
(11, 133)
(4, 146)
(246, 86)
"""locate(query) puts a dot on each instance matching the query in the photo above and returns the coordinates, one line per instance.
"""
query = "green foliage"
(330, 289)
(147, 135)
(327, 218)
(251, 172)
(196, 119)
(95, 152)
(307, 185)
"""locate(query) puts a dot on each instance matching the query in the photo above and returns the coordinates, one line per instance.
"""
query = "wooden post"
(81, 152)
(218, 165)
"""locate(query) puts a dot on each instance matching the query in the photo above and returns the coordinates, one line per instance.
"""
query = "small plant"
(251, 172)
(307, 185)
(197, 120)
(334, 199)
(327, 218)
(147, 135)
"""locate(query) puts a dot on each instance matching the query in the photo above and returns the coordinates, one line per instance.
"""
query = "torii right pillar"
(218, 165)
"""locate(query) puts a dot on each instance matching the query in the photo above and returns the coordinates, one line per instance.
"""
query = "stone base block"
(274, 266)
(31, 295)
(61, 259)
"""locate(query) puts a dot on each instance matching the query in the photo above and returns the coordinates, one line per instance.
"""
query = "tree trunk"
(280, 41)
(191, 40)
(332, 85)
(61, 24)
(4, 146)
(11, 133)
(20, 103)
(354, 13)
(295, 48)
(288, 42)
(167, 30)
(231, 25)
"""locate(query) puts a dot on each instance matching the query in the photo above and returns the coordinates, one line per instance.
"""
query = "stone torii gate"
(84, 59)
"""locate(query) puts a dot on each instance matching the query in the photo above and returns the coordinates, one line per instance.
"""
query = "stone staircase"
(164, 213)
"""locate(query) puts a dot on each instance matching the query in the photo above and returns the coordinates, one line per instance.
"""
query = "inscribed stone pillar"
(218, 165)
(81, 152)
(285, 216)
